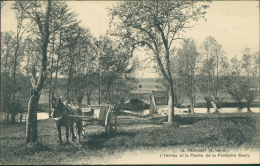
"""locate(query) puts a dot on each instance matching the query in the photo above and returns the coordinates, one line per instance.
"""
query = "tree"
(7, 45)
(213, 64)
(62, 23)
(11, 66)
(84, 75)
(20, 29)
(113, 64)
(35, 11)
(33, 53)
(71, 58)
(85, 84)
(187, 58)
(155, 25)
(179, 96)
(250, 69)
(121, 88)
(233, 82)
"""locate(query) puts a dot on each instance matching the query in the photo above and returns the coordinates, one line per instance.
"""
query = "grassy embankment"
(240, 130)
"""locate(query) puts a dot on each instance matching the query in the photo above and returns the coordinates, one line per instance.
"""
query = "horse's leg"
(79, 129)
(72, 130)
(67, 134)
(59, 132)
(79, 125)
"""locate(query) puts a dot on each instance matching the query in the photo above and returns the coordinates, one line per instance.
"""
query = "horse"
(61, 113)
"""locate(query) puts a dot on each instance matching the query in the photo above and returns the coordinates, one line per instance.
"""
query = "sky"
(234, 24)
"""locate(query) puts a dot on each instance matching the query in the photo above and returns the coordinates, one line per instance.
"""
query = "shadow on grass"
(94, 142)
(188, 120)
(99, 141)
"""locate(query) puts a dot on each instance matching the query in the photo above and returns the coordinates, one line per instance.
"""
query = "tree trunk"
(50, 97)
(50, 88)
(248, 106)
(208, 105)
(7, 117)
(31, 123)
(13, 113)
(7, 112)
(68, 97)
(240, 104)
(58, 60)
(99, 84)
(171, 106)
(112, 100)
(88, 99)
(21, 117)
(7, 96)
(192, 104)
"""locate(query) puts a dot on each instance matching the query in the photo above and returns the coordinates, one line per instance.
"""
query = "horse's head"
(56, 108)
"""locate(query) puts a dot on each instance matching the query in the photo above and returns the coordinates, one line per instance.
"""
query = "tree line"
(50, 44)
(157, 25)
(101, 65)
(207, 71)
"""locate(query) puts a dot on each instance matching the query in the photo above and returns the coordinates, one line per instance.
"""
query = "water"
(226, 110)
(40, 116)
(43, 115)
(164, 111)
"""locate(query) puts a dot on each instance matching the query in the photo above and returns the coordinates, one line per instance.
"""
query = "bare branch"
(24, 10)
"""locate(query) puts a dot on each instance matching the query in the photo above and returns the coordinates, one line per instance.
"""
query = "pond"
(164, 110)
(43, 115)
(227, 110)
(40, 116)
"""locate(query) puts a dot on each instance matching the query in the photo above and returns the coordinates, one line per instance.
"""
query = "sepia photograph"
(129, 82)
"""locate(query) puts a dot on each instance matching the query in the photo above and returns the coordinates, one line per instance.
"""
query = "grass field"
(239, 131)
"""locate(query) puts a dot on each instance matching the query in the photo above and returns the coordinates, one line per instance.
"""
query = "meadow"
(233, 131)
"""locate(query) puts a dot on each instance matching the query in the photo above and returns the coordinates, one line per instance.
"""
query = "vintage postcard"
(129, 82)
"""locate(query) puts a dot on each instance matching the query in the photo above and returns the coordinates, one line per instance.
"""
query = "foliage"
(154, 25)
(11, 60)
(213, 65)
(242, 82)
(233, 82)
(39, 15)
(33, 56)
(186, 68)
(114, 63)
(250, 68)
